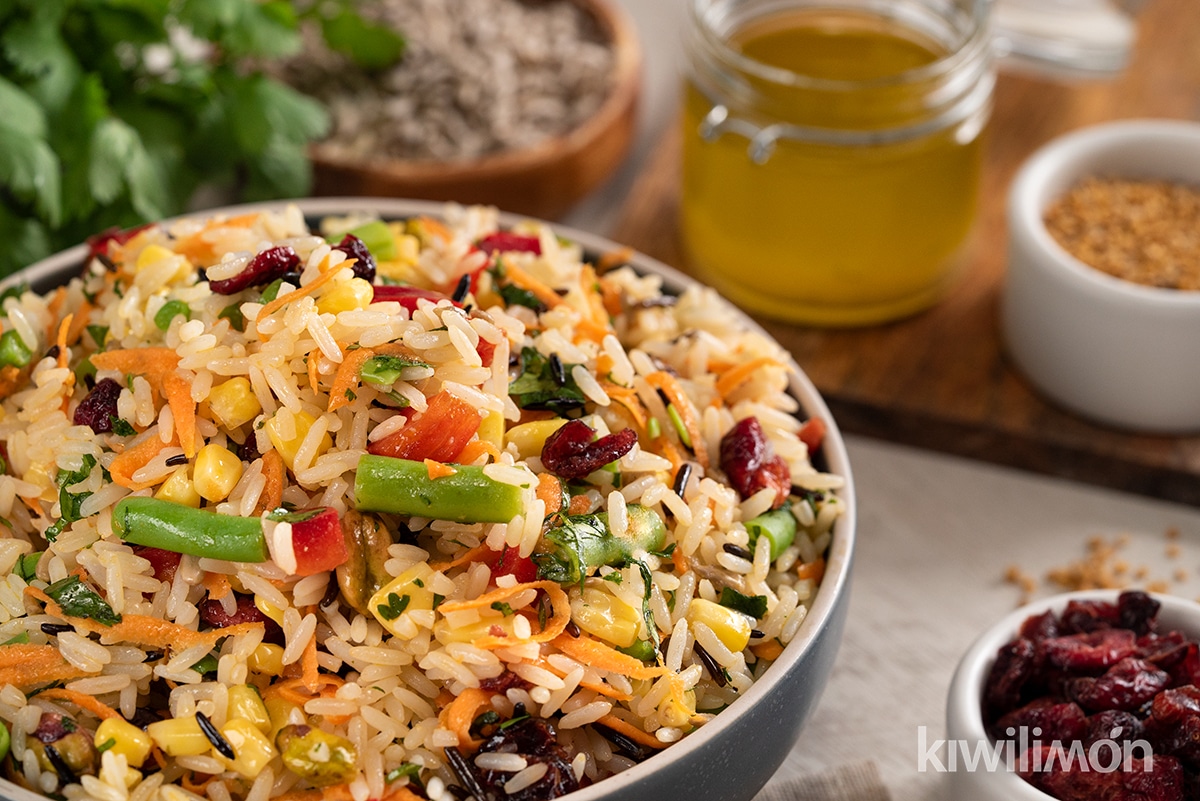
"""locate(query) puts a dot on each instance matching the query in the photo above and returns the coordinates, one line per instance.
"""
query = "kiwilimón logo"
(1015, 754)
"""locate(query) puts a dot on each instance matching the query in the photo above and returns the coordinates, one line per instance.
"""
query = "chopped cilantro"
(394, 607)
(77, 599)
(122, 428)
(753, 605)
(409, 769)
(536, 388)
(502, 608)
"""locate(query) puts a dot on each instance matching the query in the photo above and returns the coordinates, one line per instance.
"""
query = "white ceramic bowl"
(964, 715)
(1120, 353)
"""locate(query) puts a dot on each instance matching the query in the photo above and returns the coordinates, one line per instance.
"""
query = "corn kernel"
(246, 704)
(491, 428)
(216, 473)
(179, 736)
(673, 713)
(287, 447)
(603, 615)
(267, 658)
(406, 593)
(531, 437)
(269, 609)
(346, 296)
(128, 740)
(179, 489)
(233, 403)
(731, 627)
(446, 633)
(281, 714)
(252, 747)
(152, 254)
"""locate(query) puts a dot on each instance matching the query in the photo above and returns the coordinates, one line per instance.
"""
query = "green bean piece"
(174, 527)
(403, 487)
(13, 352)
(377, 236)
(580, 544)
(169, 311)
(779, 527)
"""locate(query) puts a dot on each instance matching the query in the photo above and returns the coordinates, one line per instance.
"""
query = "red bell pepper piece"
(318, 542)
(407, 296)
(507, 241)
(812, 434)
(509, 562)
(439, 433)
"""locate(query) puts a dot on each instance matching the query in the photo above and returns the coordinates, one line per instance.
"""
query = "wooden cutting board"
(941, 380)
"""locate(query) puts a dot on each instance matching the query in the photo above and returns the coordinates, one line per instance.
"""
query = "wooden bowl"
(543, 180)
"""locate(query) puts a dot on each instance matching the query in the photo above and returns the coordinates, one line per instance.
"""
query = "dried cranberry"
(1014, 667)
(749, 464)
(355, 248)
(1125, 686)
(1081, 617)
(99, 407)
(1173, 706)
(213, 613)
(507, 242)
(1040, 627)
(1100, 649)
(536, 740)
(163, 563)
(1121, 727)
(52, 727)
(1137, 612)
(1046, 719)
(264, 268)
(570, 452)
(504, 682)
(1160, 780)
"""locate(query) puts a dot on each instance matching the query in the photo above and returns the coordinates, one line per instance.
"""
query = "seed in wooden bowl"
(1147, 232)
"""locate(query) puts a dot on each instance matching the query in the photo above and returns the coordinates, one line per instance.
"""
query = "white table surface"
(936, 533)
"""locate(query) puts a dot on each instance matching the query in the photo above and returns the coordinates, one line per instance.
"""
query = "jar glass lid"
(1063, 38)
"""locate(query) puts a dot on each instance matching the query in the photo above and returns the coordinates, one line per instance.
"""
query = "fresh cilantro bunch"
(115, 112)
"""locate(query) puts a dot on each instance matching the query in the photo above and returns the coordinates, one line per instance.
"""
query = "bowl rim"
(616, 22)
(1063, 156)
(835, 583)
(964, 714)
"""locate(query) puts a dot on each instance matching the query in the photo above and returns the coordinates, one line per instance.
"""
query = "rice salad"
(404, 509)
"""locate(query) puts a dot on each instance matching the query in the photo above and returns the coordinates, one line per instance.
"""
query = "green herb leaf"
(385, 370)
(76, 599)
(206, 665)
(20, 639)
(98, 333)
(409, 769)
(535, 387)
(753, 605)
(106, 745)
(26, 566)
(282, 515)
(513, 295)
(513, 721)
(233, 313)
(122, 428)
(615, 577)
(169, 311)
(647, 614)
(502, 608)
(394, 607)
(665, 553)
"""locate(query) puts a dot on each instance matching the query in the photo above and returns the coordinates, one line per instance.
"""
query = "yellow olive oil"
(851, 225)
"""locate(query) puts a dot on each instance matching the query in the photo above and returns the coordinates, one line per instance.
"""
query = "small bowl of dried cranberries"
(1079, 697)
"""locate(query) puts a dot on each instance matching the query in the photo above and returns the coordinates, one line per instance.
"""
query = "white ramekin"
(1120, 353)
(964, 713)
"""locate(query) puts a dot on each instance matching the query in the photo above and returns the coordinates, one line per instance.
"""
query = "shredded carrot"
(341, 792)
(476, 448)
(594, 653)
(187, 782)
(733, 378)
(135, 458)
(309, 669)
(312, 286)
(435, 228)
(555, 626)
(313, 364)
(551, 492)
(579, 505)
(153, 363)
(295, 690)
(611, 293)
(670, 386)
(438, 469)
(217, 584)
(604, 364)
(476, 554)
(595, 300)
(178, 392)
(144, 630)
(79, 323)
(83, 701)
(628, 400)
(680, 561)
(812, 570)
(26, 666)
(53, 308)
(198, 247)
(10, 379)
(273, 475)
(632, 732)
(346, 379)
(525, 281)
(461, 713)
(61, 342)
(769, 650)
(598, 687)
(669, 452)
(587, 329)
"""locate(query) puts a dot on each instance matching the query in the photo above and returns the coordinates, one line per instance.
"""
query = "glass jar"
(831, 152)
